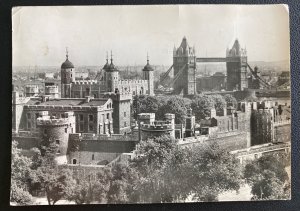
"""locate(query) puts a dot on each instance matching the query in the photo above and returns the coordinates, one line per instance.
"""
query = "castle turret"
(57, 130)
(111, 75)
(67, 77)
(149, 128)
(31, 90)
(51, 90)
(148, 75)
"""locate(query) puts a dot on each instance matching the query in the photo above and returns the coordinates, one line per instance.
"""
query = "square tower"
(236, 67)
(184, 65)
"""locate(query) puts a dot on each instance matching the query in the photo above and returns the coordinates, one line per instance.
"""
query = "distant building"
(283, 78)
(110, 82)
(216, 82)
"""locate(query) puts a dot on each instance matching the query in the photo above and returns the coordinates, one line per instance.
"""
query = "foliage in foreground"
(268, 178)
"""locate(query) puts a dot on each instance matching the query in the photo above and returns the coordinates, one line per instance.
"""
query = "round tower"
(57, 130)
(148, 75)
(31, 90)
(51, 90)
(67, 77)
(111, 75)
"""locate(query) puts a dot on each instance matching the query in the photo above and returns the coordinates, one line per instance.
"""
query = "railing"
(261, 148)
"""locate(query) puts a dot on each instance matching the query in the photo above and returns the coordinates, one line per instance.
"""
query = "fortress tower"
(148, 75)
(51, 90)
(58, 130)
(31, 90)
(111, 75)
(67, 77)
(237, 67)
(184, 64)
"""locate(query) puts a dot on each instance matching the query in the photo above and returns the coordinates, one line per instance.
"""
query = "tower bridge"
(237, 67)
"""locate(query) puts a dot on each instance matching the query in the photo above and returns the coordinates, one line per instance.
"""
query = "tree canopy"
(268, 177)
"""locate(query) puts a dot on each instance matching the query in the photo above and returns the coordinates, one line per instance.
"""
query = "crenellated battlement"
(63, 107)
(87, 82)
(101, 137)
(132, 82)
(157, 126)
(46, 120)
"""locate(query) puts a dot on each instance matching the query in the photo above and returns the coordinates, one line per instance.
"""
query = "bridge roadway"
(218, 59)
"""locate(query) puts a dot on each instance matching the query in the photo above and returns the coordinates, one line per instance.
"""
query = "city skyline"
(41, 34)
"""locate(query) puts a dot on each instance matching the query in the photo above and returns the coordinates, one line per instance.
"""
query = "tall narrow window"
(81, 117)
(93, 157)
(91, 117)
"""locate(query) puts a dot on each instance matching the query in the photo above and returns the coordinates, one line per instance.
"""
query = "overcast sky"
(41, 34)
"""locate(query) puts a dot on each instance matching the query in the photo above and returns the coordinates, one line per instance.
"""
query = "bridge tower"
(184, 65)
(236, 67)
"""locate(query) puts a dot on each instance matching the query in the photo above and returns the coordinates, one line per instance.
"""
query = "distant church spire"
(147, 58)
(67, 53)
(106, 57)
(111, 57)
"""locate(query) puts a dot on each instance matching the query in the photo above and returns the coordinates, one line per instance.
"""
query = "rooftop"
(68, 102)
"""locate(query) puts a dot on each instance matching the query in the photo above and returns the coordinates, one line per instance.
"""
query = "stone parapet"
(92, 82)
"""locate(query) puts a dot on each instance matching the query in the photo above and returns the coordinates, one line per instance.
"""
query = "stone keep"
(58, 130)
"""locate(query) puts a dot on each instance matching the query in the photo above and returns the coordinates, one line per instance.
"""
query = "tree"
(20, 171)
(19, 195)
(149, 168)
(46, 175)
(230, 100)
(202, 105)
(176, 105)
(211, 171)
(267, 176)
(219, 102)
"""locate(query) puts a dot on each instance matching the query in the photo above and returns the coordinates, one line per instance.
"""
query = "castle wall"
(230, 140)
(282, 133)
(136, 87)
(92, 158)
(88, 119)
(83, 88)
(98, 149)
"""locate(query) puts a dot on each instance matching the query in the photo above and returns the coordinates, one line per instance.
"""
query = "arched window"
(93, 157)
(74, 161)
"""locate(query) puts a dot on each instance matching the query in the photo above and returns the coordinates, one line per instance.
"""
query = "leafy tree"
(56, 183)
(149, 169)
(167, 173)
(219, 102)
(212, 170)
(202, 105)
(176, 105)
(267, 176)
(20, 171)
(230, 100)
(93, 187)
(19, 195)
(46, 176)
(121, 184)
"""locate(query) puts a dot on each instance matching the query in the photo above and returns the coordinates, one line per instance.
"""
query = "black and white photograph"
(130, 104)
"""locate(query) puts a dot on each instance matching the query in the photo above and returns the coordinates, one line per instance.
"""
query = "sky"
(41, 34)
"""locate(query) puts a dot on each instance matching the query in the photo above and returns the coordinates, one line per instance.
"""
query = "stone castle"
(108, 82)
(91, 121)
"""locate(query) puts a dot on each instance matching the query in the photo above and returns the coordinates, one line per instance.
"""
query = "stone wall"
(282, 133)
